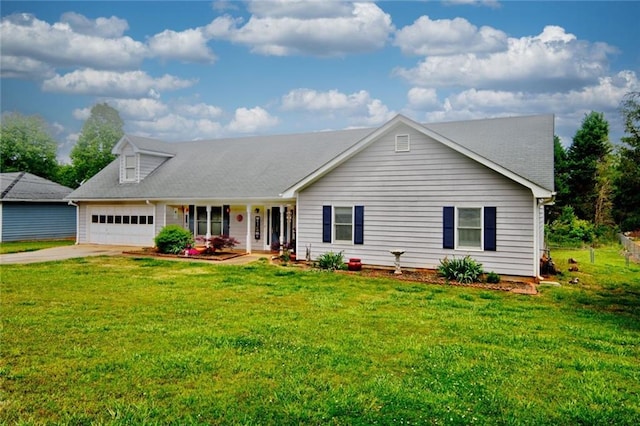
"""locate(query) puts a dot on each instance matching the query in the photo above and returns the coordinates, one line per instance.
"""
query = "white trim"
(456, 227)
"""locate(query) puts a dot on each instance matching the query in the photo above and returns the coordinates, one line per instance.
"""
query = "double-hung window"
(130, 168)
(469, 228)
(342, 224)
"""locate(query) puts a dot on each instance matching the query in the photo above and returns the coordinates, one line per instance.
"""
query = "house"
(432, 190)
(33, 208)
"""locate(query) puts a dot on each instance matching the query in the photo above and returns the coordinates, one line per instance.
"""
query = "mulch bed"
(512, 284)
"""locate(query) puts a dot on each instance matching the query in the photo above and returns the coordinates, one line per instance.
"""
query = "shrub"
(493, 278)
(220, 242)
(568, 230)
(465, 270)
(173, 239)
(332, 261)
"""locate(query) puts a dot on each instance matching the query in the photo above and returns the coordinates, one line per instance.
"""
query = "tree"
(27, 146)
(560, 176)
(100, 133)
(627, 182)
(590, 146)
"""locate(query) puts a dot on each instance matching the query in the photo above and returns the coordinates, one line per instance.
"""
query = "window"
(130, 167)
(150, 220)
(343, 223)
(125, 220)
(142, 220)
(469, 228)
(110, 218)
(94, 218)
(134, 220)
(216, 220)
(118, 219)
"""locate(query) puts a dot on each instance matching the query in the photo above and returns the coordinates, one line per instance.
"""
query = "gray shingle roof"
(21, 186)
(264, 166)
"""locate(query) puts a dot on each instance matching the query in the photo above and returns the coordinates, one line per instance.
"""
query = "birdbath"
(397, 253)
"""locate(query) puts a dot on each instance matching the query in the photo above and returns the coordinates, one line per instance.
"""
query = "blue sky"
(201, 69)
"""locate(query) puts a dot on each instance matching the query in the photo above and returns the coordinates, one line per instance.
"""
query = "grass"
(112, 340)
(22, 246)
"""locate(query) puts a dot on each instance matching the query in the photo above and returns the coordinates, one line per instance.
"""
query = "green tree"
(560, 175)
(627, 182)
(100, 133)
(590, 146)
(27, 146)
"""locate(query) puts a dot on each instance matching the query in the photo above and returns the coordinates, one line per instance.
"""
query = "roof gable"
(493, 131)
(144, 145)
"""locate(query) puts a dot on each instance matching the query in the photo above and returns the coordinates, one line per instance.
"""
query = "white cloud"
(312, 32)
(359, 107)
(138, 109)
(250, 120)
(21, 67)
(303, 9)
(189, 46)
(129, 84)
(25, 36)
(200, 110)
(448, 37)
(112, 27)
(81, 113)
(550, 61)
(424, 98)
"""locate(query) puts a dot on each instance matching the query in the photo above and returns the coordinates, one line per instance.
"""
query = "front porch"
(264, 227)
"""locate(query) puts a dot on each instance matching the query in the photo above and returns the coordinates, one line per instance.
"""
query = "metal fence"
(632, 247)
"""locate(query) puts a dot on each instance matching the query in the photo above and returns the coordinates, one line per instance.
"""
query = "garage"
(126, 225)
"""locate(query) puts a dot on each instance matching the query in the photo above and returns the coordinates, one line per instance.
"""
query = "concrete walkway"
(85, 250)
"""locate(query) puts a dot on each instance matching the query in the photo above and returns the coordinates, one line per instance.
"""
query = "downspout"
(71, 203)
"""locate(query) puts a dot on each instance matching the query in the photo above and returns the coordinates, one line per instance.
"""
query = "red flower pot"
(354, 264)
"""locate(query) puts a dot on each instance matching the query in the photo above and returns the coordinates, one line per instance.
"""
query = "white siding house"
(472, 188)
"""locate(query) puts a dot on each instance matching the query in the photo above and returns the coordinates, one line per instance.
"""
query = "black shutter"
(192, 213)
(490, 229)
(225, 220)
(448, 220)
(326, 224)
(358, 234)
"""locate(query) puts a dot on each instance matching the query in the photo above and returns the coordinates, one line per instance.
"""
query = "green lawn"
(129, 341)
(21, 246)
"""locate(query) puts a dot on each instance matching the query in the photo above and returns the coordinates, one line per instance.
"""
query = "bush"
(465, 270)
(493, 278)
(218, 243)
(173, 239)
(332, 261)
(568, 230)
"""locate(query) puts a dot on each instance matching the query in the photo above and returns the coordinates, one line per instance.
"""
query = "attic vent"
(402, 143)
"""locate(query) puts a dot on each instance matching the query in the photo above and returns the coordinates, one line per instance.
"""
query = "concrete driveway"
(64, 252)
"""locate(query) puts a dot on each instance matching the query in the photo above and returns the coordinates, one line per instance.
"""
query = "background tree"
(590, 146)
(92, 152)
(560, 175)
(627, 182)
(27, 146)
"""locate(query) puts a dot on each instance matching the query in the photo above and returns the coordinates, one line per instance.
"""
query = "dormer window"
(130, 168)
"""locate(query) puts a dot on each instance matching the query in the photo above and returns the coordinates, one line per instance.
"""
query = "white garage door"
(128, 225)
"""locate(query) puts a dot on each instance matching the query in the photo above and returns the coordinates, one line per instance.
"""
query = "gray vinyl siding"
(147, 164)
(403, 195)
(37, 221)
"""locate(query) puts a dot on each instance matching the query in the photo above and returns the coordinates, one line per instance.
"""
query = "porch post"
(281, 239)
(208, 236)
(248, 228)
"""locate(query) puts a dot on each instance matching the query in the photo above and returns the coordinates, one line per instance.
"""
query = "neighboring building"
(448, 189)
(33, 208)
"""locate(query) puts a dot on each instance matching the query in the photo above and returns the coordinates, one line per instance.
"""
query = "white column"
(248, 228)
(208, 236)
(281, 228)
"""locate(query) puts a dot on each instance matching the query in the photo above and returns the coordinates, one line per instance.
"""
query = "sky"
(189, 70)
